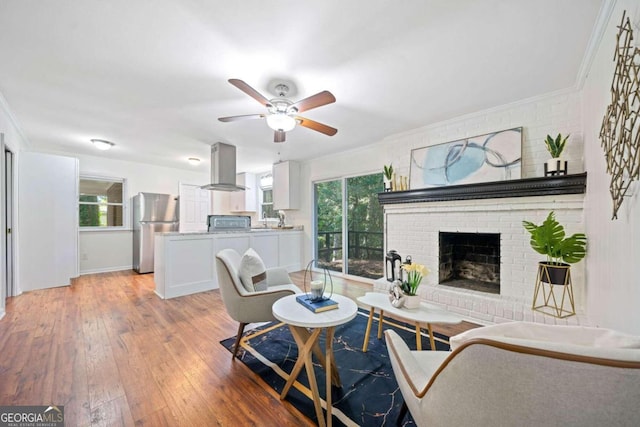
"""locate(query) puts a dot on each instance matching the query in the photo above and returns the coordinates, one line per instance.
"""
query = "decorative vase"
(555, 166)
(412, 301)
(554, 274)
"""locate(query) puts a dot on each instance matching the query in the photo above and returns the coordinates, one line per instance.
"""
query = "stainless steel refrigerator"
(152, 213)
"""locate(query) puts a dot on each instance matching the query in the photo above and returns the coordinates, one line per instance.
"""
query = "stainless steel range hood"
(223, 168)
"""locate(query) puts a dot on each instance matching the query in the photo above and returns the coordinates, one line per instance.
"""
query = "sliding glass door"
(328, 211)
(364, 227)
(349, 226)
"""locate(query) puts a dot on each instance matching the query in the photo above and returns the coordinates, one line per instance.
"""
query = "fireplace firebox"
(470, 261)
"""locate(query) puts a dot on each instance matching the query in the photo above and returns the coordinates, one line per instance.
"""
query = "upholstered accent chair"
(243, 305)
(522, 373)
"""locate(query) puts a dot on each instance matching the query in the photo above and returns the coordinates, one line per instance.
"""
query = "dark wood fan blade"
(314, 101)
(250, 91)
(319, 127)
(279, 136)
(245, 117)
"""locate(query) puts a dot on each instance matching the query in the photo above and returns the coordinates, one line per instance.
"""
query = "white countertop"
(217, 233)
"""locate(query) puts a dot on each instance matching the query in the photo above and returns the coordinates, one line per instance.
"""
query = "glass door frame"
(314, 220)
(345, 237)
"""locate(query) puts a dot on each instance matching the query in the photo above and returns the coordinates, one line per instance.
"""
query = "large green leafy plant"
(549, 239)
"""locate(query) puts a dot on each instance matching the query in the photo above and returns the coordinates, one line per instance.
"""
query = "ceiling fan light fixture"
(280, 121)
(102, 144)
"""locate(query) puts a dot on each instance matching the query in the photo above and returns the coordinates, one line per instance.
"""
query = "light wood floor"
(113, 353)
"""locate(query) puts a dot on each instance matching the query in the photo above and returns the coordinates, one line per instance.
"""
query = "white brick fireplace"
(413, 229)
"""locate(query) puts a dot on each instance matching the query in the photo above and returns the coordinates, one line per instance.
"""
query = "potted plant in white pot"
(412, 278)
(388, 177)
(555, 165)
(550, 239)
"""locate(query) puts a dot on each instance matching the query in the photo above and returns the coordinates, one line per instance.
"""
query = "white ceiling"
(151, 75)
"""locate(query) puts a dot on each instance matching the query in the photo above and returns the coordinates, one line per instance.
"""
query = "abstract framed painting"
(490, 157)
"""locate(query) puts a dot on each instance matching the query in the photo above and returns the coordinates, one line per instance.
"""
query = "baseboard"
(106, 269)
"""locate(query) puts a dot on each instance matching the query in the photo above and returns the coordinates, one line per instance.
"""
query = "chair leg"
(403, 413)
(237, 344)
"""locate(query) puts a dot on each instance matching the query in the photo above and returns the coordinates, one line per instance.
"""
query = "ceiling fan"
(282, 112)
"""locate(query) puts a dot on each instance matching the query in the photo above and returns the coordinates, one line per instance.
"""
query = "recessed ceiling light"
(101, 144)
(194, 161)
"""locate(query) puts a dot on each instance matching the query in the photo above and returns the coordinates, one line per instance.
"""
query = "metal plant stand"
(547, 283)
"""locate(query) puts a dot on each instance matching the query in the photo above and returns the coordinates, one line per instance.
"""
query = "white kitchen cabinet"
(286, 185)
(237, 241)
(247, 200)
(290, 251)
(266, 245)
(185, 263)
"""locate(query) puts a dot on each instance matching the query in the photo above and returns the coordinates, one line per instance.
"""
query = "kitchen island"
(185, 264)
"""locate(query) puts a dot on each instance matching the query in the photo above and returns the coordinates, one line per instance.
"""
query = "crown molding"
(604, 16)
(4, 107)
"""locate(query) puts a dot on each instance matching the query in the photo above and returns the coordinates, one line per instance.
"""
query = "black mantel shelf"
(540, 186)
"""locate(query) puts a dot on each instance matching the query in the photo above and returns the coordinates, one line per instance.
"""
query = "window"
(100, 203)
(266, 201)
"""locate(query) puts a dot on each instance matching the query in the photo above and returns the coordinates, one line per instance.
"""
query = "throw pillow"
(253, 273)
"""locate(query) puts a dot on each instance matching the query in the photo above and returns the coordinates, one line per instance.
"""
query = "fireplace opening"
(470, 261)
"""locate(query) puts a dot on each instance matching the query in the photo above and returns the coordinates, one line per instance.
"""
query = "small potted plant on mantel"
(388, 177)
(555, 165)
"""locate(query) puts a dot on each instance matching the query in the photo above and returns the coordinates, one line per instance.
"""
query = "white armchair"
(503, 375)
(242, 305)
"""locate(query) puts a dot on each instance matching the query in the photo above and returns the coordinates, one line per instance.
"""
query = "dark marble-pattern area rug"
(369, 395)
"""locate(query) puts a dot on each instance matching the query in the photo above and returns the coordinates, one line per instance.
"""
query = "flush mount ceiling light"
(101, 144)
(194, 161)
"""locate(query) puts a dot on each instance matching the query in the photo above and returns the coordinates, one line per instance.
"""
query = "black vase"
(555, 274)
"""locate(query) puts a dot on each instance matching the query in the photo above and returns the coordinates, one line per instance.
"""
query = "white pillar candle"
(316, 289)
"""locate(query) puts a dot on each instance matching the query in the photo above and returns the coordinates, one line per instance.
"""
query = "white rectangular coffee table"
(426, 314)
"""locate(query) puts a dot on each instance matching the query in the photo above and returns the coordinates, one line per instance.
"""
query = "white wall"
(612, 267)
(113, 250)
(613, 291)
(549, 114)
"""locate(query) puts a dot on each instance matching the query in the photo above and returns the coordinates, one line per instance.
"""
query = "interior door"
(8, 224)
(195, 205)
(48, 217)
(8, 288)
